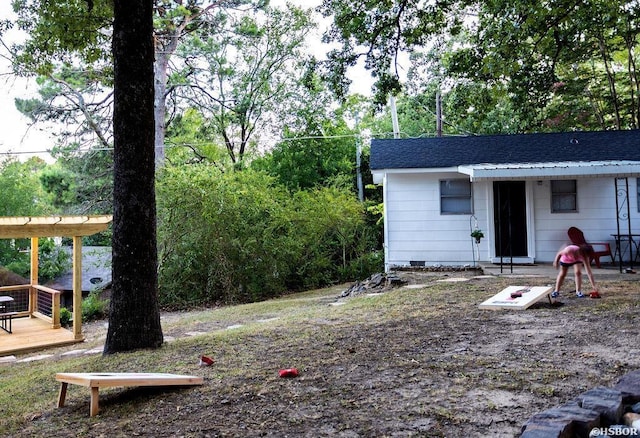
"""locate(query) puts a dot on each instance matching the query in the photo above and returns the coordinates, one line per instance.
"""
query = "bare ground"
(412, 361)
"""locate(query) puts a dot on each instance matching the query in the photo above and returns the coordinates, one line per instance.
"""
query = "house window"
(564, 196)
(455, 196)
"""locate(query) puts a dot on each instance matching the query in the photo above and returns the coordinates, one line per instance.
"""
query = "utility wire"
(310, 137)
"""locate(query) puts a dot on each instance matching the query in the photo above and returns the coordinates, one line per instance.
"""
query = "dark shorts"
(569, 264)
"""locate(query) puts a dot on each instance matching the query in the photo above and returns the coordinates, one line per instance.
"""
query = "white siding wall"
(416, 231)
(596, 215)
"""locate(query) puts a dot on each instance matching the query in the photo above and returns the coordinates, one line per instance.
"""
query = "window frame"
(465, 198)
(556, 194)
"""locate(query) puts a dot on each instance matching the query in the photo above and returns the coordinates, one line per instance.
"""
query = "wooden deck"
(31, 334)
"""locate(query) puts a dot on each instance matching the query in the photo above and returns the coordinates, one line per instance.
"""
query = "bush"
(363, 267)
(94, 307)
(66, 317)
(241, 236)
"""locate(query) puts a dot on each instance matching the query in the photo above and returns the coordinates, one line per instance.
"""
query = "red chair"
(600, 249)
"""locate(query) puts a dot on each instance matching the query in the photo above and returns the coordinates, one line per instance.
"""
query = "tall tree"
(468, 106)
(174, 21)
(379, 32)
(562, 64)
(566, 64)
(80, 182)
(75, 65)
(134, 316)
(245, 80)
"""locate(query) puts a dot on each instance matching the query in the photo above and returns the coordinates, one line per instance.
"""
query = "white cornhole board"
(503, 300)
(95, 381)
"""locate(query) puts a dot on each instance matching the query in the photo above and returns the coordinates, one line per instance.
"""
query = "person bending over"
(576, 256)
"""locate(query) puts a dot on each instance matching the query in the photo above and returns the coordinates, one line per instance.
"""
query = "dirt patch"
(418, 360)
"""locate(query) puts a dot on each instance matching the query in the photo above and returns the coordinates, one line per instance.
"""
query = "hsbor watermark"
(614, 431)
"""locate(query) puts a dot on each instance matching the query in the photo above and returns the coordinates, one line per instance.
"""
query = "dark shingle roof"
(96, 270)
(505, 149)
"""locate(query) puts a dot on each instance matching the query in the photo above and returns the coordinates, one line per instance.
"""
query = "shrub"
(66, 317)
(240, 236)
(94, 307)
(363, 267)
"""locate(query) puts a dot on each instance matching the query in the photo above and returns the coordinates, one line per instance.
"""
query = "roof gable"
(446, 152)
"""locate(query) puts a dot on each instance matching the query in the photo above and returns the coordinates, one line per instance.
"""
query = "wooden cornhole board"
(95, 381)
(503, 299)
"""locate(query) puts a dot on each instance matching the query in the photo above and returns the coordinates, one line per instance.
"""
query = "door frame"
(529, 219)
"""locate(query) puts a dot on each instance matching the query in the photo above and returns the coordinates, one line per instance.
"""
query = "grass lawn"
(421, 361)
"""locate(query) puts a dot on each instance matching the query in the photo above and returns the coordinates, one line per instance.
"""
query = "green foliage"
(323, 151)
(52, 260)
(384, 29)
(22, 193)
(99, 239)
(376, 210)
(363, 266)
(302, 163)
(18, 264)
(506, 67)
(75, 103)
(563, 67)
(241, 236)
(330, 233)
(250, 71)
(191, 140)
(66, 317)
(94, 307)
(81, 182)
(62, 31)
(60, 184)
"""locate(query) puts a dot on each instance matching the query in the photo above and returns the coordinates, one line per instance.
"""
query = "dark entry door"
(510, 216)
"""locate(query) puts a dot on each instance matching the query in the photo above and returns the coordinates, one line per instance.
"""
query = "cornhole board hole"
(504, 300)
(95, 381)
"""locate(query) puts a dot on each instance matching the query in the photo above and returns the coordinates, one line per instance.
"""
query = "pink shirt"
(571, 254)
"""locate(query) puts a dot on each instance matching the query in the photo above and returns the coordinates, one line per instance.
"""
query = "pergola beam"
(52, 226)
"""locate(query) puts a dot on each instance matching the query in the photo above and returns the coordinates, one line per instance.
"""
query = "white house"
(522, 191)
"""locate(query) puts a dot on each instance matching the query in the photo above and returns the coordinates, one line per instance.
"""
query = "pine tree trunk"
(134, 317)
(160, 89)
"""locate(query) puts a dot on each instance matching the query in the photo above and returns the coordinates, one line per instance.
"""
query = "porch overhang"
(379, 174)
(553, 170)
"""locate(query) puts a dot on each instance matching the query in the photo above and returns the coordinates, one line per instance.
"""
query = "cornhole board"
(503, 299)
(95, 381)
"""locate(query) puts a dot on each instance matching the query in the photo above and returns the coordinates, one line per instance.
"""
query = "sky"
(16, 137)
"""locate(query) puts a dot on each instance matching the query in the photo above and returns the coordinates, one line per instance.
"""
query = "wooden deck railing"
(47, 304)
(36, 301)
(20, 295)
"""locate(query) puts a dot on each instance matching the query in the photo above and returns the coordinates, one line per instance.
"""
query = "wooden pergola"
(53, 226)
